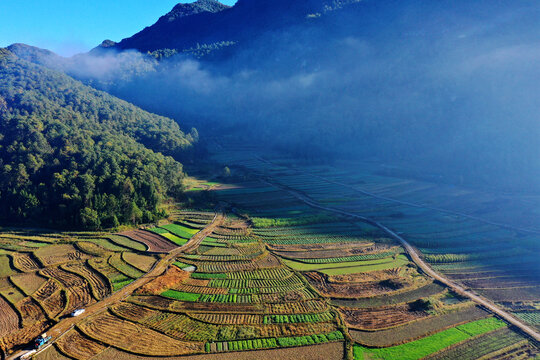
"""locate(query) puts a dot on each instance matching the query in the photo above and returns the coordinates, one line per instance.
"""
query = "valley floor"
(287, 267)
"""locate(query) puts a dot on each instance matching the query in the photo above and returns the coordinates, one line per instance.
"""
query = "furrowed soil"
(154, 242)
(381, 317)
(172, 278)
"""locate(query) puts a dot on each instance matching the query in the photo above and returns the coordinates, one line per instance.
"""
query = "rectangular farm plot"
(420, 348)
(350, 267)
(182, 231)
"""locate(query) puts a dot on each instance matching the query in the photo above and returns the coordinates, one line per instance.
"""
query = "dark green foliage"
(77, 156)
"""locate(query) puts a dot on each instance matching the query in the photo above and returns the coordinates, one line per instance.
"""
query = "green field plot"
(119, 284)
(180, 295)
(180, 230)
(310, 339)
(127, 242)
(417, 329)
(381, 255)
(5, 266)
(108, 245)
(181, 265)
(301, 318)
(482, 345)
(350, 267)
(420, 348)
(119, 264)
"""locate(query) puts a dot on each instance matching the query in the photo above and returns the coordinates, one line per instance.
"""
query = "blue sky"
(68, 27)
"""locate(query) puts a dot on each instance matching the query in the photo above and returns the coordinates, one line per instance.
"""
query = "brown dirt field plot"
(380, 318)
(331, 253)
(155, 243)
(25, 262)
(354, 290)
(330, 351)
(59, 254)
(141, 262)
(78, 346)
(135, 338)
(23, 336)
(9, 320)
(131, 311)
(77, 288)
(378, 275)
(55, 304)
(29, 283)
(30, 311)
(98, 283)
(51, 353)
(172, 277)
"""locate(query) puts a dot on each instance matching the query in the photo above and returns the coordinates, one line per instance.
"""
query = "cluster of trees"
(77, 157)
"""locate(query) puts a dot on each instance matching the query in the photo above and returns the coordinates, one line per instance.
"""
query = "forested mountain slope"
(74, 156)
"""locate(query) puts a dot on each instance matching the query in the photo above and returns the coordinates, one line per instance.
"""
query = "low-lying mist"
(446, 87)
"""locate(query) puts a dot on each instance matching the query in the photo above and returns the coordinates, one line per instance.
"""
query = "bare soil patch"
(354, 290)
(171, 278)
(380, 318)
(155, 242)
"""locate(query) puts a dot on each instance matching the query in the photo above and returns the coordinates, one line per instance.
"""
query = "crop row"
(375, 256)
(239, 284)
(266, 343)
(300, 318)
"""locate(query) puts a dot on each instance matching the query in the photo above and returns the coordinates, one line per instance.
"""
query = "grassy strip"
(180, 295)
(381, 255)
(180, 230)
(310, 339)
(175, 239)
(120, 284)
(253, 344)
(420, 348)
(350, 267)
(260, 222)
(181, 265)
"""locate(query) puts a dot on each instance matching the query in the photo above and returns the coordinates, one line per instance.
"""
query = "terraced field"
(48, 275)
(278, 278)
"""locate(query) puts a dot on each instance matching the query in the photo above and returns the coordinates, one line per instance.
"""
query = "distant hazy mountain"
(210, 22)
(446, 86)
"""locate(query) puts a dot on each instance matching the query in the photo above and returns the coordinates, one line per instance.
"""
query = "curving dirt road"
(159, 268)
(420, 262)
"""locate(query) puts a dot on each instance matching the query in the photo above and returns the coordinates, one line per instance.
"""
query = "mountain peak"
(182, 10)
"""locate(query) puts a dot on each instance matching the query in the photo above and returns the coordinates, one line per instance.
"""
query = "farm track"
(418, 260)
(159, 267)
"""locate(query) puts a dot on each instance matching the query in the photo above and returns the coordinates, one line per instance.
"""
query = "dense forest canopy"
(74, 156)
